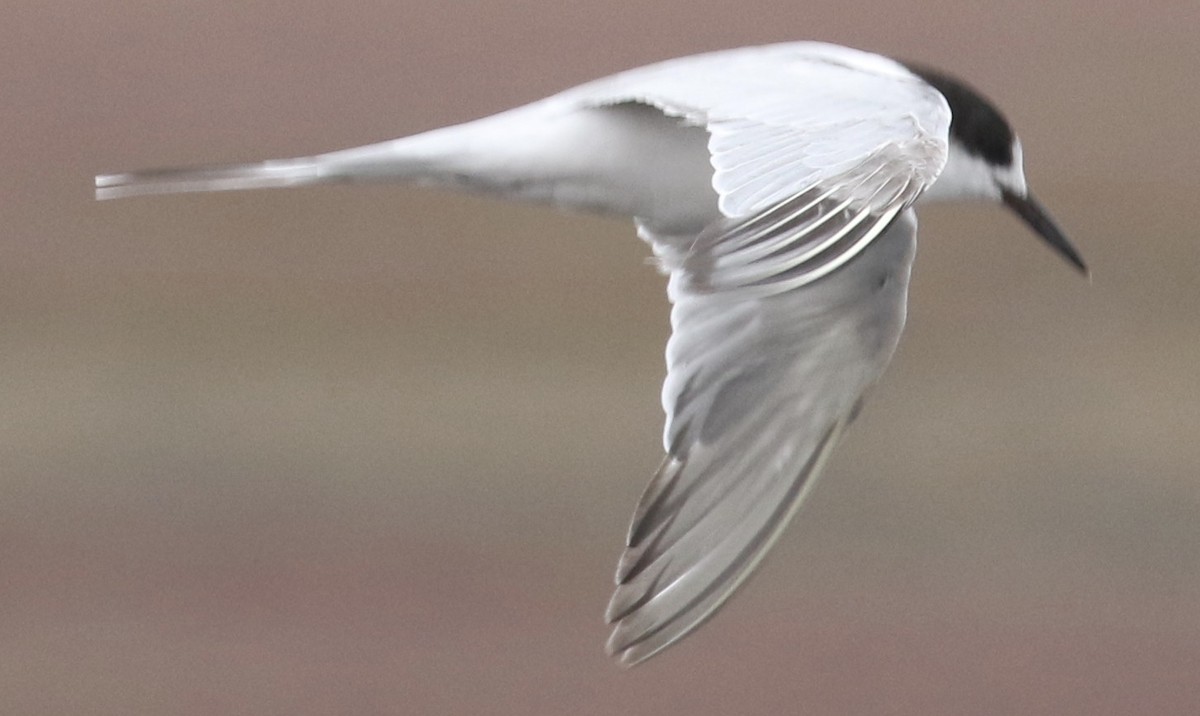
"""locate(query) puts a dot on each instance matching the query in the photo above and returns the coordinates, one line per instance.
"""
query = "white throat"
(968, 176)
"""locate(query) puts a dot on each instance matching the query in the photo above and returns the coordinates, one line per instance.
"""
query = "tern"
(775, 186)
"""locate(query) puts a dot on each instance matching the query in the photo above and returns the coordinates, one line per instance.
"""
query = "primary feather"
(758, 390)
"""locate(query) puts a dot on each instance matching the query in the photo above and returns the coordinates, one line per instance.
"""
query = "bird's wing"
(783, 119)
(758, 391)
(785, 311)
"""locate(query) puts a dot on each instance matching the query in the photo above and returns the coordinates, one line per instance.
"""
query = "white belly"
(627, 159)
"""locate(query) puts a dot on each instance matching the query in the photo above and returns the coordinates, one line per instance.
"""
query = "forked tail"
(498, 153)
(230, 177)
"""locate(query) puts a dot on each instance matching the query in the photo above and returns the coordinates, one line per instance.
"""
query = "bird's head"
(985, 161)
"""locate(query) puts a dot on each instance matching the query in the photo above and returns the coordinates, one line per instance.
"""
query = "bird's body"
(775, 185)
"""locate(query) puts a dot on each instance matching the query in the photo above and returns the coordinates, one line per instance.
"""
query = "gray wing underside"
(760, 386)
(784, 312)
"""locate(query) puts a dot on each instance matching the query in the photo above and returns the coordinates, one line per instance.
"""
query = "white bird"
(776, 186)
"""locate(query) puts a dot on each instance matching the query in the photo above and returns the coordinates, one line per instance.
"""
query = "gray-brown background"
(372, 450)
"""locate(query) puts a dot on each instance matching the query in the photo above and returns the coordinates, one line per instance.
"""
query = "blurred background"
(373, 450)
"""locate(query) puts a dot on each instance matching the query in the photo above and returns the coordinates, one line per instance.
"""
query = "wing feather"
(759, 388)
(785, 310)
(819, 110)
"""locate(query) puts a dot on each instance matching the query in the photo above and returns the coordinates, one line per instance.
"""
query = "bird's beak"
(1034, 214)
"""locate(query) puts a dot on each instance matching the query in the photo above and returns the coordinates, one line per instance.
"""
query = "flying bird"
(776, 187)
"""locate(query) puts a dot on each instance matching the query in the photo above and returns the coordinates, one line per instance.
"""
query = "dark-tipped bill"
(1034, 214)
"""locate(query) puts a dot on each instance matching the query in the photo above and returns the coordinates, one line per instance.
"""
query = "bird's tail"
(519, 153)
(420, 157)
(230, 177)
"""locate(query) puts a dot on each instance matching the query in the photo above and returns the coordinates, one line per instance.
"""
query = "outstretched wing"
(758, 391)
(785, 311)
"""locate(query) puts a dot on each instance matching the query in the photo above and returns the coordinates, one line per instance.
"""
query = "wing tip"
(630, 652)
